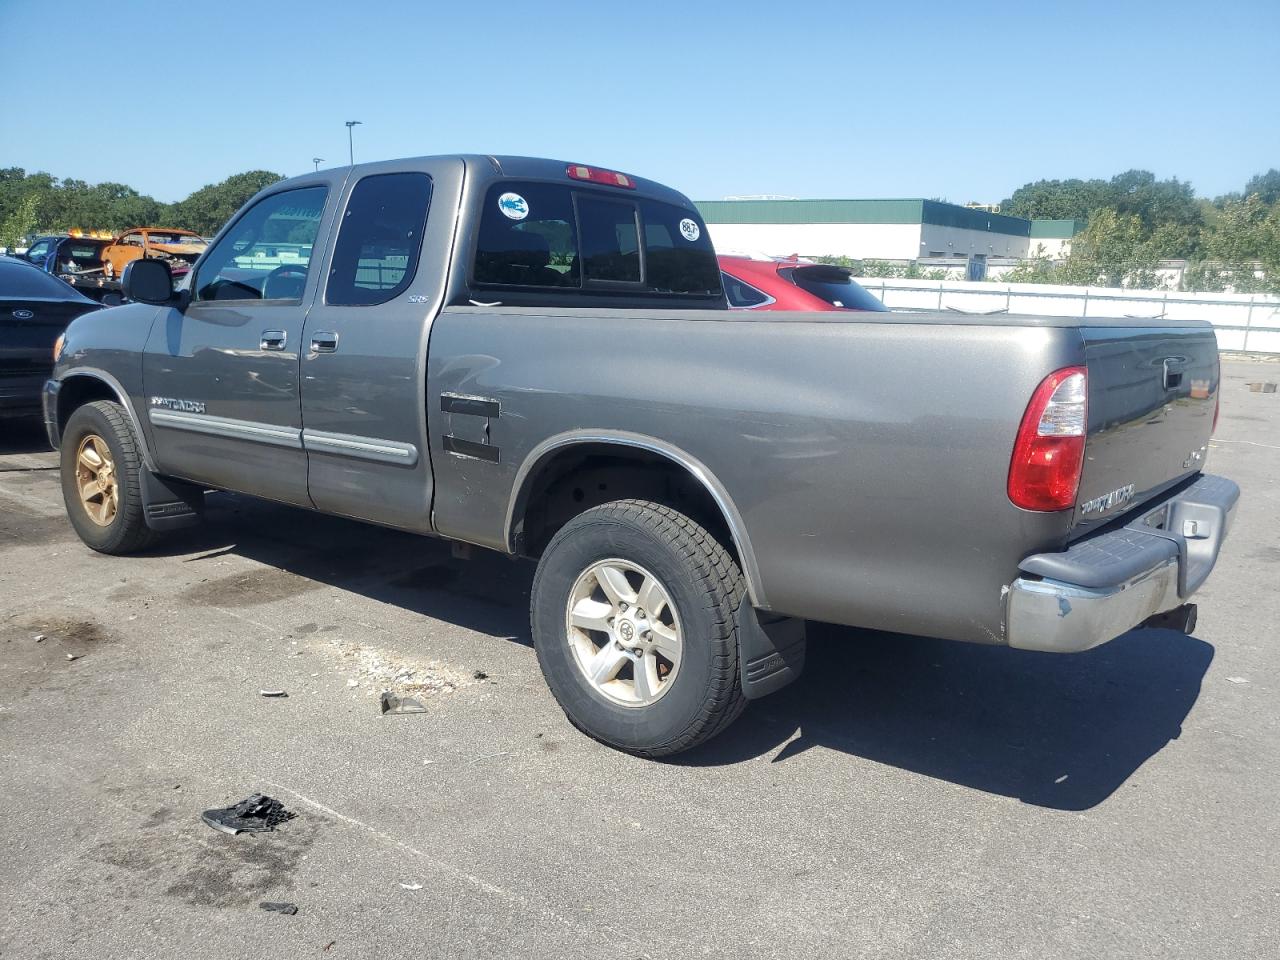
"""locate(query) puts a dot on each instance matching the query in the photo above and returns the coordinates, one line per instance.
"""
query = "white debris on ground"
(377, 670)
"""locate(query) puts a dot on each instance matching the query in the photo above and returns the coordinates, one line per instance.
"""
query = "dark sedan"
(34, 309)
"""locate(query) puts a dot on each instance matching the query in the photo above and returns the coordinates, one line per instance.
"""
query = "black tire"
(127, 532)
(706, 588)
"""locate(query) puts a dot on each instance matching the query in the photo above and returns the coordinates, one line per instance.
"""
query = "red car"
(760, 283)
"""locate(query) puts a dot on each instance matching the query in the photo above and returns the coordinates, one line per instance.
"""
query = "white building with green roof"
(905, 230)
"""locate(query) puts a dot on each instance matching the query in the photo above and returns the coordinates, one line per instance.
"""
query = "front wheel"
(634, 616)
(101, 479)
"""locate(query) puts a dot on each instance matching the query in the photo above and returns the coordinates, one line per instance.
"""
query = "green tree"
(1057, 199)
(1265, 185)
(1243, 242)
(206, 210)
(19, 222)
(1114, 249)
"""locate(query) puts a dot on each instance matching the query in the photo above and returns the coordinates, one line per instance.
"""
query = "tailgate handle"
(1173, 372)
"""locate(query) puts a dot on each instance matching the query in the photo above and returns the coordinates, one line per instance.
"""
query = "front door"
(221, 376)
(364, 345)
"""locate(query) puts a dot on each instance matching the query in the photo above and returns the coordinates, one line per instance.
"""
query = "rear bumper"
(1102, 586)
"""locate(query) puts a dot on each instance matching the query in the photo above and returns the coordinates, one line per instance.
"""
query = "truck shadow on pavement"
(1062, 731)
(1057, 731)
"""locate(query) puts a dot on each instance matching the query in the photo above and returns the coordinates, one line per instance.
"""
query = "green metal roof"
(861, 211)
(1055, 229)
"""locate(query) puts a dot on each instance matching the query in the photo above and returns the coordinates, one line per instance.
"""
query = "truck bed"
(867, 454)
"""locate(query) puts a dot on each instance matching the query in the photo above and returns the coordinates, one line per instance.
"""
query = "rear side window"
(535, 235)
(743, 295)
(380, 239)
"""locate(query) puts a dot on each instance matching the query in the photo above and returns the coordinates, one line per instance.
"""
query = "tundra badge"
(1108, 500)
(186, 406)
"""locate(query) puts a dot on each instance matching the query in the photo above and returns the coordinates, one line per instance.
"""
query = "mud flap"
(170, 504)
(770, 651)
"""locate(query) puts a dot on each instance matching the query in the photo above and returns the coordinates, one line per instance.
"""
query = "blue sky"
(819, 99)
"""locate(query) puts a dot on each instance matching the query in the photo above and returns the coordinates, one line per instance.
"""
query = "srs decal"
(513, 206)
(689, 230)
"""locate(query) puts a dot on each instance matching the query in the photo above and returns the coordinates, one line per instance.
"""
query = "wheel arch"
(84, 385)
(559, 457)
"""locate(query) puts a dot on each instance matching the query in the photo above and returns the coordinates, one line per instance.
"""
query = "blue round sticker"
(513, 206)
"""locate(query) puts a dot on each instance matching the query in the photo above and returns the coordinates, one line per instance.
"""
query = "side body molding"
(540, 454)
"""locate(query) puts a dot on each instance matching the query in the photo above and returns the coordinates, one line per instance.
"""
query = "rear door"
(365, 342)
(221, 376)
(1152, 396)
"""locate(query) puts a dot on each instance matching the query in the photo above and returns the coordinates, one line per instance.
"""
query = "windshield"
(175, 239)
(836, 286)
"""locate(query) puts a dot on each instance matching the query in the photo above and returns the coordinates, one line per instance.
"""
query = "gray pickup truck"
(536, 358)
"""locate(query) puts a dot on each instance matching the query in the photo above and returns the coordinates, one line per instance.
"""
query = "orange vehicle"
(179, 247)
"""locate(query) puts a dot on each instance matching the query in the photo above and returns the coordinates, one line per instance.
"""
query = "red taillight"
(610, 178)
(1044, 473)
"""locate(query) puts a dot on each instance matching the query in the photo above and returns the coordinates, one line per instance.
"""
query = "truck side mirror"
(147, 281)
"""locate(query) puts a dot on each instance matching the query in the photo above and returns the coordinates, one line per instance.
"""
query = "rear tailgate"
(1153, 391)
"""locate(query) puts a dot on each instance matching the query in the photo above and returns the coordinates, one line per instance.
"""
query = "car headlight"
(58, 345)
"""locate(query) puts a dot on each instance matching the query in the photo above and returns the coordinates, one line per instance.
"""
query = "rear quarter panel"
(868, 460)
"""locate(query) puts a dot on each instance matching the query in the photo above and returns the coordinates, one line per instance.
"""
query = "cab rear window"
(547, 235)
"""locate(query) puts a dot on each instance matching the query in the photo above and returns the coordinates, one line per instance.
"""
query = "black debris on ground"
(257, 814)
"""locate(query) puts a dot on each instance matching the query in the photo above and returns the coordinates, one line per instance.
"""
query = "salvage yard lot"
(907, 798)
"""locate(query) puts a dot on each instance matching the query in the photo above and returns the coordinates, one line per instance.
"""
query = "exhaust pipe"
(1182, 619)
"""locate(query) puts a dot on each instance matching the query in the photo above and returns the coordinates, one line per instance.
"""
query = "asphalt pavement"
(907, 798)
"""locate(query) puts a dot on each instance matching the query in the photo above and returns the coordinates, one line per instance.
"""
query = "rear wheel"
(101, 483)
(634, 616)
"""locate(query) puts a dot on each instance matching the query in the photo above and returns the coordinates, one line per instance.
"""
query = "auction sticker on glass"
(689, 230)
(514, 206)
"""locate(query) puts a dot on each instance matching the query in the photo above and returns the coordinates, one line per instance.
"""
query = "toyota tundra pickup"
(537, 358)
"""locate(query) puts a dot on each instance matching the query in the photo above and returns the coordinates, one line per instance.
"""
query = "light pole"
(317, 161)
(351, 150)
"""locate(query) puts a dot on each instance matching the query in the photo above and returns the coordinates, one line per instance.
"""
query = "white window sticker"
(689, 230)
(513, 206)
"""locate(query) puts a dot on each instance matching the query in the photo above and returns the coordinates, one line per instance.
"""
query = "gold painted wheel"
(96, 480)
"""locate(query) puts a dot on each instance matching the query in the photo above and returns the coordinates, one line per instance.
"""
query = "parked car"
(66, 254)
(536, 358)
(34, 310)
(179, 248)
(77, 259)
(769, 283)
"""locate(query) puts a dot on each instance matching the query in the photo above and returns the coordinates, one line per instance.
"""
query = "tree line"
(35, 203)
(1133, 221)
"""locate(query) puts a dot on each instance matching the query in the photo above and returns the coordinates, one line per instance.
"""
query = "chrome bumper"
(1104, 585)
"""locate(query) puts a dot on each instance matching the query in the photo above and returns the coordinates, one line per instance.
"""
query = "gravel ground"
(907, 798)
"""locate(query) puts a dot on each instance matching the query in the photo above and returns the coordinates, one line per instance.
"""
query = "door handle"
(324, 341)
(274, 339)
